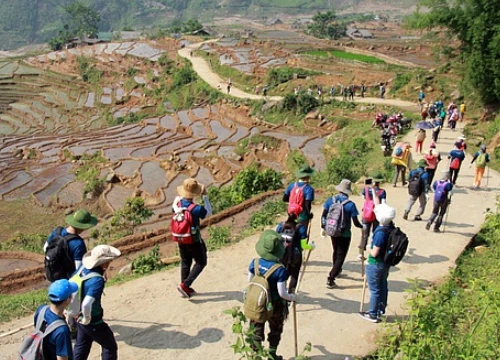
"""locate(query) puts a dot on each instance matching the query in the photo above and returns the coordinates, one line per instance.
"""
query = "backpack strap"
(271, 270)
(41, 317)
(53, 326)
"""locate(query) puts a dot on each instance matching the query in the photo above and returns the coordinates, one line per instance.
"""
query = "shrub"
(218, 236)
(145, 264)
(268, 214)
(184, 76)
(400, 81)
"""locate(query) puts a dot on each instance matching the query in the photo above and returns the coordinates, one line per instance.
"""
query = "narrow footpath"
(151, 321)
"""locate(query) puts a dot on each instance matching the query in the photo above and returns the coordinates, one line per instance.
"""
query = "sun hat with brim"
(461, 137)
(190, 188)
(305, 171)
(378, 177)
(81, 219)
(344, 187)
(99, 255)
(61, 290)
(422, 163)
(270, 246)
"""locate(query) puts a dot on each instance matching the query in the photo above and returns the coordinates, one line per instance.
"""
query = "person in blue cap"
(57, 344)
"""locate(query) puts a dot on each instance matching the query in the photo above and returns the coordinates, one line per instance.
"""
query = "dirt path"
(151, 321)
(204, 71)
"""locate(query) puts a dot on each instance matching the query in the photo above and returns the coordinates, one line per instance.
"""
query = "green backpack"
(481, 160)
(258, 305)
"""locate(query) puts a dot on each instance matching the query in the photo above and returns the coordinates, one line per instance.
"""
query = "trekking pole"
(306, 261)
(487, 176)
(447, 213)
(362, 303)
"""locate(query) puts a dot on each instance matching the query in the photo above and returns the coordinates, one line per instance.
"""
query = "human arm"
(207, 205)
(284, 294)
(356, 222)
(374, 251)
(474, 158)
(87, 310)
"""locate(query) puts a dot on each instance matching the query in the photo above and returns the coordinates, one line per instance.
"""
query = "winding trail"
(205, 72)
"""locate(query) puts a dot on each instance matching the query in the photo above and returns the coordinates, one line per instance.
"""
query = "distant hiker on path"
(461, 140)
(418, 187)
(270, 249)
(433, 158)
(299, 195)
(352, 92)
(382, 91)
(421, 97)
(481, 158)
(462, 111)
(420, 138)
(377, 271)
(438, 124)
(332, 90)
(363, 90)
(442, 198)
(91, 326)
(456, 157)
(401, 159)
(336, 222)
(185, 228)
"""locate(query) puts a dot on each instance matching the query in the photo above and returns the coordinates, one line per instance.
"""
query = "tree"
(325, 26)
(475, 24)
(83, 20)
(191, 25)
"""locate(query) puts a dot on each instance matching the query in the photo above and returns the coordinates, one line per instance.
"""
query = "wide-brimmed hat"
(81, 219)
(305, 171)
(190, 188)
(445, 175)
(61, 290)
(99, 255)
(344, 187)
(384, 213)
(461, 137)
(422, 163)
(270, 246)
(378, 177)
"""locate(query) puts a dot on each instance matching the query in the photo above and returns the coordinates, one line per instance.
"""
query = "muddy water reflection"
(153, 177)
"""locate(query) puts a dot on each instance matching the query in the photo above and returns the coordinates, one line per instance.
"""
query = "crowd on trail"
(78, 276)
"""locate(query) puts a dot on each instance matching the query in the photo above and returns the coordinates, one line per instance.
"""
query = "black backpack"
(415, 184)
(293, 252)
(58, 262)
(397, 244)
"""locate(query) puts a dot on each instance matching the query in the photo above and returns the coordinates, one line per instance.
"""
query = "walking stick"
(362, 303)
(447, 213)
(487, 176)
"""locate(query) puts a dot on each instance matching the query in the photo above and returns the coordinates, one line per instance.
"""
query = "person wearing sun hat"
(91, 326)
(368, 191)
(77, 222)
(196, 251)
(271, 249)
(341, 244)
(301, 190)
(57, 342)
(418, 188)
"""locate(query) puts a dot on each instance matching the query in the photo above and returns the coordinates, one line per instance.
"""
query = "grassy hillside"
(24, 22)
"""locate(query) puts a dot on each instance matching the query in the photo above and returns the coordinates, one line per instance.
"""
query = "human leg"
(341, 248)
(373, 277)
(294, 271)
(396, 175)
(479, 176)
(409, 205)
(435, 210)
(186, 260)
(431, 173)
(199, 252)
(103, 335)
(422, 199)
(384, 289)
(403, 175)
(258, 334)
(455, 175)
(442, 210)
(83, 343)
(276, 326)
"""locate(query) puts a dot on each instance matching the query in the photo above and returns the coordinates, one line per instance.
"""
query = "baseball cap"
(61, 290)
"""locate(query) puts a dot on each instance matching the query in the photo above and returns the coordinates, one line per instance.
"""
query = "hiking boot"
(405, 215)
(330, 284)
(184, 290)
(436, 230)
(428, 226)
(366, 315)
(417, 218)
(191, 291)
(394, 185)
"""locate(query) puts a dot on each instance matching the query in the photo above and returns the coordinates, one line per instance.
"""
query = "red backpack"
(296, 200)
(181, 225)
(369, 205)
(455, 164)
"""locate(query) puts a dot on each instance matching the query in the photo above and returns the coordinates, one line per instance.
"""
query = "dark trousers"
(188, 253)
(365, 234)
(399, 169)
(102, 335)
(435, 135)
(431, 173)
(340, 248)
(454, 175)
(438, 211)
(275, 325)
(293, 271)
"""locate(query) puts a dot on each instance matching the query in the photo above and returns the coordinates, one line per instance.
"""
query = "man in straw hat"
(299, 195)
(442, 194)
(377, 271)
(91, 326)
(77, 222)
(196, 250)
(418, 187)
(270, 249)
(341, 244)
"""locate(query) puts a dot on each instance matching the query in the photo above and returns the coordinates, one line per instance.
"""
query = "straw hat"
(270, 246)
(344, 187)
(81, 219)
(99, 255)
(190, 188)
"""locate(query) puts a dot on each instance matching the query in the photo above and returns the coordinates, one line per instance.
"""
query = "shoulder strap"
(59, 230)
(41, 317)
(272, 270)
(256, 266)
(53, 326)
(345, 202)
(90, 276)
(191, 207)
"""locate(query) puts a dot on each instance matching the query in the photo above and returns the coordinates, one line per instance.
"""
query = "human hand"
(84, 320)
(313, 245)
(323, 233)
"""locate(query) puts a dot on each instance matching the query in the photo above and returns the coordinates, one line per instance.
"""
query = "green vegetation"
(16, 305)
(25, 242)
(345, 55)
(326, 26)
(281, 75)
(459, 318)
(246, 144)
(218, 236)
(89, 172)
(267, 215)
(88, 70)
(145, 264)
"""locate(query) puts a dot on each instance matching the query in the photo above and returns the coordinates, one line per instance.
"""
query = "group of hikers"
(438, 114)
(347, 92)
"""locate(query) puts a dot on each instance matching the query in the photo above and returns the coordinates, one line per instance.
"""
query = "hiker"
(456, 156)
(462, 111)
(433, 158)
(363, 90)
(437, 124)
(62, 261)
(352, 92)
(401, 159)
(91, 326)
(368, 218)
(257, 90)
(270, 249)
(461, 140)
(299, 195)
(420, 138)
(57, 343)
(452, 120)
(424, 112)
(421, 96)
(264, 91)
(345, 93)
(377, 271)
(295, 239)
(332, 90)
(442, 195)
(341, 242)
(228, 87)
(187, 232)
(320, 91)
(382, 90)
(418, 187)
(481, 158)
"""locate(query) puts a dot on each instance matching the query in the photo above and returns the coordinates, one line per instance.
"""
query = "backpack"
(296, 200)
(32, 346)
(481, 160)
(181, 225)
(415, 184)
(335, 220)
(397, 244)
(455, 164)
(78, 279)
(293, 252)
(58, 262)
(257, 305)
(369, 206)
(441, 194)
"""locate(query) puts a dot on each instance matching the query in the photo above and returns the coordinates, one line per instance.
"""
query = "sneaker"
(273, 356)
(405, 215)
(417, 218)
(427, 226)
(436, 230)
(330, 284)
(184, 290)
(404, 184)
(366, 315)
(191, 291)
(381, 316)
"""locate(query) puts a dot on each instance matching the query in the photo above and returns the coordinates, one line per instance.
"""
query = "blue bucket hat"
(61, 290)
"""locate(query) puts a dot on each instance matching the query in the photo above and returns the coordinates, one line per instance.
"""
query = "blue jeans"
(376, 275)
